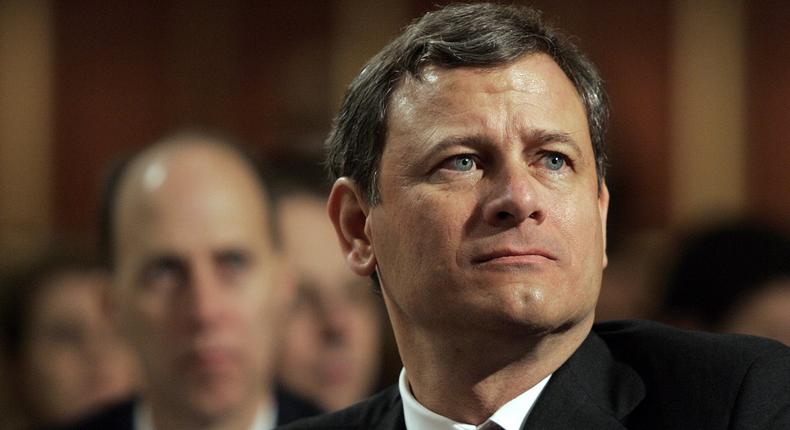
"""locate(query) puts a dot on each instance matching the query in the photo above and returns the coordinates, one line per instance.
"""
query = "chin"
(213, 408)
(534, 310)
(216, 400)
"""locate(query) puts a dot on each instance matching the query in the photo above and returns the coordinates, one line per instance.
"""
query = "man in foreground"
(197, 288)
(470, 162)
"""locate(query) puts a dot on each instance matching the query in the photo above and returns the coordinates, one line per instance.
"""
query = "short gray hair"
(465, 35)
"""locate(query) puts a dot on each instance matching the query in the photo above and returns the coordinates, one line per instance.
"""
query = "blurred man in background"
(331, 351)
(198, 288)
(62, 355)
(731, 277)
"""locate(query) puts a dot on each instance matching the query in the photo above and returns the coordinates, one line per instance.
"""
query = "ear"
(603, 211)
(349, 214)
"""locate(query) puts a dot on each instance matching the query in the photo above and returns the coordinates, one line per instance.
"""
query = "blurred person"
(469, 163)
(732, 277)
(198, 288)
(331, 351)
(764, 312)
(63, 356)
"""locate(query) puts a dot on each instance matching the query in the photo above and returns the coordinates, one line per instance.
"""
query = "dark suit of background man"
(470, 162)
(197, 289)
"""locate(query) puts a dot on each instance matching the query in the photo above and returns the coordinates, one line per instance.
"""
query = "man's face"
(195, 275)
(330, 349)
(74, 360)
(491, 216)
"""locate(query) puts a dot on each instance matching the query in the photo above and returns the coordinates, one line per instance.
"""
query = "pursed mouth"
(515, 256)
(209, 358)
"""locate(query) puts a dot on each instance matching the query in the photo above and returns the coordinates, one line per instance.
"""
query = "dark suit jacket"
(636, 375)
(121, 416)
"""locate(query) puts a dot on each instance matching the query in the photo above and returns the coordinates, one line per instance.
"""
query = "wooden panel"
(25, 128)
(768, 100)
(708, 121)
(110, 95)
(284, 87)
(129, 71)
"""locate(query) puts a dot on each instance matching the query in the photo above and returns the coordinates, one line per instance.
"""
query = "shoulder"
(738, 378)
(661, 345)
(367, 414)
(291, 407)
(119, 416)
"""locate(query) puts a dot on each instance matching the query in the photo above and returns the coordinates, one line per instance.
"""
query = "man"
(61, 355)
(731, 277)
(197, 288)
(331, 350)
(471, 183)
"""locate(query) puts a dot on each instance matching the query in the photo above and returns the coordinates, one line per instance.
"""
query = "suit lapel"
(393, 418)
(591, 390)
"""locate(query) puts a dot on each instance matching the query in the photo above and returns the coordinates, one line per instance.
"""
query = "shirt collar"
(265, 419)
(510, 416)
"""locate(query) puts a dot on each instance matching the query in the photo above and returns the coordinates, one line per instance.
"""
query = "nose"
(203, 300)
(512, 199)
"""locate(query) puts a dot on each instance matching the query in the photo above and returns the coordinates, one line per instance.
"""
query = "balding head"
(143, 175)
(196, 277)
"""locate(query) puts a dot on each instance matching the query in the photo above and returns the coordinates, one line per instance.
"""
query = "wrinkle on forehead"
(436, 88)
(433, 78)
(517, 98)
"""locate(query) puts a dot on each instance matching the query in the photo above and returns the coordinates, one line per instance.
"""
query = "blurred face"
(764, 313)
(74, 360)
(196, 286)
(491, 216)
(331, 345)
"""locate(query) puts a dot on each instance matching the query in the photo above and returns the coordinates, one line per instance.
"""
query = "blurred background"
(699, 137)
(699, 91)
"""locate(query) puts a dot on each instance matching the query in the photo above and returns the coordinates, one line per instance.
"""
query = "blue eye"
(554, 161)
(463, 163)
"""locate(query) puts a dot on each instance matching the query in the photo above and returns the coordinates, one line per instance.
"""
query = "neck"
(481, 372)
(165, 416)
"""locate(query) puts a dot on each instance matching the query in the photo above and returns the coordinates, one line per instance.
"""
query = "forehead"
(187, 200)
(309, 240)
(532, 91)
(72, 293)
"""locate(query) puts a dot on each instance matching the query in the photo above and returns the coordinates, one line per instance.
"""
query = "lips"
(214, 359)
(514, 256)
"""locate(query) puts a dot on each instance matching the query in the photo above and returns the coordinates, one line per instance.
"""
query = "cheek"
(302, 333)
(367, 335)
(579, 226)
(56, 372)
(433, 225)
(139, 316)
(578, 217)
(300, 348)
(258, 318)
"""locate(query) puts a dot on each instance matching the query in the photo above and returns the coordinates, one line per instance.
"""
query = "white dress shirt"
(266, 419)
(510, 416)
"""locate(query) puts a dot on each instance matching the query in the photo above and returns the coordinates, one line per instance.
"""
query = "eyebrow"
(474, 141)
(534, 137)
(543, 137)
(160, 260)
